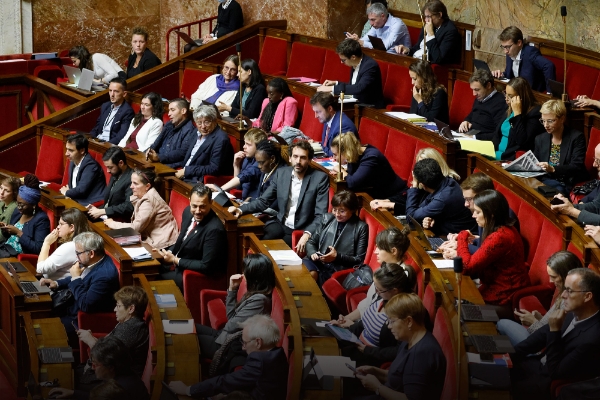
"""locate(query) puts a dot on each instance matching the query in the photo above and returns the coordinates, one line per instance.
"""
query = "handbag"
(587, 187)
(7, 251)
(361, 276)
(62, 300)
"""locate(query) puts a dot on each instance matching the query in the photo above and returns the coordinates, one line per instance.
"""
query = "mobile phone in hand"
(556, 201)
(319, 254)
(354, 369)
(75, 325)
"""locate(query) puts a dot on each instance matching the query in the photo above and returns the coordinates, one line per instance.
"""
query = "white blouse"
(146, 136)
(58, 264)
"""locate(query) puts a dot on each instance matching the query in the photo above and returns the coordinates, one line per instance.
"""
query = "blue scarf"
(223, 87)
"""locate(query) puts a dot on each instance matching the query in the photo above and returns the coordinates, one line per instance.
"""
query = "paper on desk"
(444, 264)
(137, 252)
(321, 324)
(215, 194)
(314, 84)
(177, 327)
(485, 147)
(334, 365)
(406, 116)
(44, 184)
(285, 257)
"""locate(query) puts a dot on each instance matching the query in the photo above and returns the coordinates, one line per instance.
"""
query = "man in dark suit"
(365, 76)
(265, 373)
(117, 196)
(211, 154)
(302, 198)
(115, 116)
(202, 242)
(525, 61)
(178, 135)
(571, 341)
(86, 179)
(324, 106)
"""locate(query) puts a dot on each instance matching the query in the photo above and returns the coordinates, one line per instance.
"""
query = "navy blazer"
(174, 142)
(523, 130)
(534, 68)
(117, 197)
(312, 202)
(571, 165)
(445, 48)
(253, 105)
(34, 231)
(90, 181)
(119, 125)
(264, 376)
(368, 88)
(347, 126)
(214, 157)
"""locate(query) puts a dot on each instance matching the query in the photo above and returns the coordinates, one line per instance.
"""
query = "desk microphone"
(563, 14)
(458, 268)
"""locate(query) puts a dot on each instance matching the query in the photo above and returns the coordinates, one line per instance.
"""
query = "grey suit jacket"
(312, 203)
(255, 304)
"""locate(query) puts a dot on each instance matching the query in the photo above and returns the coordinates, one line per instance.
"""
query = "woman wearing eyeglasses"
(518, 131)
(219, 89)
(561, 153)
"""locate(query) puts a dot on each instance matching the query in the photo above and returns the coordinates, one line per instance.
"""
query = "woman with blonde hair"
(430, 99)
(141, 58)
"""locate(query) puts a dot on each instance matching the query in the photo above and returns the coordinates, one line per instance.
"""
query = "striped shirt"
(373, 320)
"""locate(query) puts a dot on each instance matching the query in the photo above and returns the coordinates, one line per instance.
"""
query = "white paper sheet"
(137, 252)
(178, 328)
(285, 257)
(444, 264)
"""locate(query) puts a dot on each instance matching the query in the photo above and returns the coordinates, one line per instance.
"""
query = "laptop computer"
(556, 88)
(186, 38)
(446, 132)
(480, 64)
(167, 393)
(73, 73)
(474, 312)
(16, 265)
(86, 79)
(27, 287)
(377, 43)
(497, 344)
(56, 355)
(430, 243)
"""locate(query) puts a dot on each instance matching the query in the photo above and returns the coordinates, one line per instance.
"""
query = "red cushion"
(414, 33)
(397, 90)
(309, 125)
(441, 73)
(374, 228)
(531, 222)
(596, 94)
(196, 285)
(399, 151)
(277, 315)
(335, 292)
(461, 105)
(531, 303)
(514, 201)
(302, 101)
(442, 330)
(50, 167)
(355, 296)
(333, 69)
(383, 67)
(217, 180)
(581, 79)
(192, 78)
(273, 56)
(429, 302)
(373, 133)
(178, 203)
(299, 65)
(50, 73)
(98, 157)
(559, 66)
(217, 314)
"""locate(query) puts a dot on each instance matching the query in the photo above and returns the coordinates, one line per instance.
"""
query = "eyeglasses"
(507, 47)
(469, 199)
(571, 291)
(381, 291)
(510, 96)
(62, 223)
(390, 321)
(547, 121)
(77, 253)
(204, 123)
(244, 343)
(341, 211)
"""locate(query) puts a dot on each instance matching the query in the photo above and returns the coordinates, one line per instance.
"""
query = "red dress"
(499, 263)
(132, 142)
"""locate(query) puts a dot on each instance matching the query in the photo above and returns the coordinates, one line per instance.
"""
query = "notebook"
(473, 312)
(56, 355)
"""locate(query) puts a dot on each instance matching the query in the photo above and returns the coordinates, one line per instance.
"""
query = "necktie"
(326, 135)
(191, 230)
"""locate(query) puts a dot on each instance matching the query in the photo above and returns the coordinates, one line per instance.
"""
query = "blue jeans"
(515, 331)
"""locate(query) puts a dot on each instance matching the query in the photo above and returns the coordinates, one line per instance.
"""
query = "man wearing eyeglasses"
(525, 61)
(570, 342)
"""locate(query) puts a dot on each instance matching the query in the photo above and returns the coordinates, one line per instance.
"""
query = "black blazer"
(534, 68)
(523, 130)
(445, 48)
(368, 88)
(117, 196)
(90, 181)
(312, 203)
(229, 19)
(119, 125)
(253, 102)
(149, 60)
(571, 166)
(214, 157)
(436, 109)
(34, 231)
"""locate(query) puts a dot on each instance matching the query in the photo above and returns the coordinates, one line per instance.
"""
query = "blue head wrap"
(30, 195)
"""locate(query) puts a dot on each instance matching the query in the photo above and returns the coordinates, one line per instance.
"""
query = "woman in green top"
(9, 188)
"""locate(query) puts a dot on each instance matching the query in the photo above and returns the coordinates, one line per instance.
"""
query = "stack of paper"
(407, 116)
(285, 257)
(179, 326)
(166, 300)
(138, 253)
(124, 236)
(444, 264)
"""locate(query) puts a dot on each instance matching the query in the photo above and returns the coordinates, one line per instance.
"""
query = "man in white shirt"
(86, 178)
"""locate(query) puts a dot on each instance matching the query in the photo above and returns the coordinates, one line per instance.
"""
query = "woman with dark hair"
(146, 125)
(9, 187)
(500, 260)
(219, 88)
(260, 283)
(152, 217)
(253, 92)
(268, 158)
(340, 242)
(56, 265)
(141, 58)
(522, 124)
(430, 99)
(367, 322)
(105, 68)
(29, 225)
(558, 266)
(278, 111)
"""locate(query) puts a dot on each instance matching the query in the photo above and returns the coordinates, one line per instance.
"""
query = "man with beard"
(115, 115)
(324, 106)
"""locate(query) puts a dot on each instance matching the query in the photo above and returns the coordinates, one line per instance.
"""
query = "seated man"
(211, 154)
(117, 195)
(265, 373)
(115, 116)
(570, 342)
(489, 107)
(391, 30)
(178, 135)
(229, 18)
(86, 179)
(525, 61)
(438, 198)
(365, 76)
(94, 280)
(202, 242)
(302, 194)
(324, 106)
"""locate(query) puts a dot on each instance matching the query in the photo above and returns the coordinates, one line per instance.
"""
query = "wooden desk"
(333, 179)
(81, 92)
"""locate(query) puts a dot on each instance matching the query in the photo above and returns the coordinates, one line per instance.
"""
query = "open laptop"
(480, 64)
(81, 79)
(430, 243)
(27, 287)
(377, 43)
(446, 132)
(496, 344)
(73, 73)
(186, 38)
(56, 355)
(474, 312)
(556, 88)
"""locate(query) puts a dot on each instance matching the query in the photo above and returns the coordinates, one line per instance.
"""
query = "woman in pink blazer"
(278, 110)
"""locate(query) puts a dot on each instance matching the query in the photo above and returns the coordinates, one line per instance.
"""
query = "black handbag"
(62, 300)
(7, 251)
(361, 276)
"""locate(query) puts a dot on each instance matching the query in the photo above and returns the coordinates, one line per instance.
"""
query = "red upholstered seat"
(559, 66)
(50, 73)
(100, 324)
(296, 235)
(302, 101)
(278, 317)
(460, 106)
(335, 292)
(441, 73)
(432, 300)
(196, 282)
(212, 306)
(50, 167)
(397, 90)
(31, 258)
(383, 67)
(273, 56)
(178, 203)
(442, 330)
(98, 157)
(333, 69)
(581, 79)
(373, 133)
(192, 78)
(217, 180)
(400, 151)
(309, 125)
(355, 296)
(299, 65)
(414, 33)
(531, 303)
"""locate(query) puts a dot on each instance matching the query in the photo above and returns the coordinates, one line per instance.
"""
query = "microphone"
(458, 268)
(238, 46)
(563, 11)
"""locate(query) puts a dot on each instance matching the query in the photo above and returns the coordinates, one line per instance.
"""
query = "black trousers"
(276, 230)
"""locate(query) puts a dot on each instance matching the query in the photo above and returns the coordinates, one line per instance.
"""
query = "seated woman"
(141, 58)
(146, 125)
(521, 126)
(368, 320)
(558, 266)
(245, 169)
(419, 369)
(131, 328)
(219, 88)
(500, 260)
(57, 265)
(561, 153)
(152, 217)
(29, 225)
(260, 283)
(229, 18)
(268, 158)
(340, 242)
(278, 111)
(422, 154)
(584, 101)
(368, 170)
(104, 67)
(430, 100)
(9, 188)
(253, 92)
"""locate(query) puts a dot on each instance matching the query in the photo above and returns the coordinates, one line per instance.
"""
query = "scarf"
(223, 87)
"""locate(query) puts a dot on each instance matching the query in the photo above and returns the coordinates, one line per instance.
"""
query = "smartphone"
(556, 201)
(178, 321)
(354, 369)
(319, 254)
